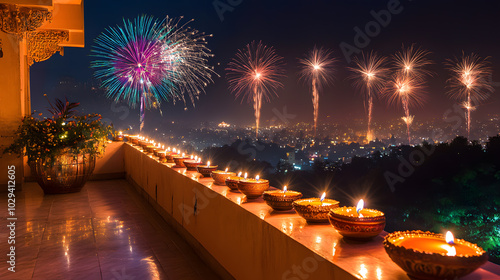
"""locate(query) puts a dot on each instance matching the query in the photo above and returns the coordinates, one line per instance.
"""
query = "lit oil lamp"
(169, 155)
(162, 156)
(253, 188)
(206, 170)
(134, 139)
(357, 222)
(179, 160)
(118, 137)
(144, 142)
(192, 163)
(232, 182)
(281, 200)
(150, 147)
(158, 149)
(220, 176)
(315, 210)
(426, 255)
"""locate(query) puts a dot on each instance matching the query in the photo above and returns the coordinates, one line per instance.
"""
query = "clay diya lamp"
(134, 140)
(170, 157)
(192, 164)
(315, 210)
(149, 148)
(144, 143)
(253, 188)
(119, 137)
(206, 170)
(159, 149)
(357, 222)
(179, 161)
(281, 200)
(427, 255)
(232, 182)
(162, 157)
(220, 176)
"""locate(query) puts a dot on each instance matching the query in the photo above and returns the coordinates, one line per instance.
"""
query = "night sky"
(445, 28)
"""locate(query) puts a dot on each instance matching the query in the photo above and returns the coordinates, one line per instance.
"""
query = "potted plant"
(61, 149)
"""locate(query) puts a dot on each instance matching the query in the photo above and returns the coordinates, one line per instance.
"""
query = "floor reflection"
(104, 232)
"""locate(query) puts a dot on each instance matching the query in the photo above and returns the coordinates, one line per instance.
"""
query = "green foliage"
(63, 132)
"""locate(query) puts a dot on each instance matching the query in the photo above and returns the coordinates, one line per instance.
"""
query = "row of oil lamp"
(423, 255)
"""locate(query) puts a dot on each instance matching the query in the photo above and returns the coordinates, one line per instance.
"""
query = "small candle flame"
(323, 197)
(147, 139)
(449, 238)
(192, 156)
(226, 169)
(257, 177)
(120, 133)
(163, 147)
(174, 150)
(199, 159)
(284, 189)
(196, 158)
(239, 174)
(183, 154)
(360, 205)
(245, 175)
(208, 163)
(168, 149)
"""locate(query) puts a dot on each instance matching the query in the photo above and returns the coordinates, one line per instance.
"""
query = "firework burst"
(469, 82)
(254, 74)
(145, 61)
(408, 79)
(405, 91)
(317, 68)
(412, 61)
(370, 75)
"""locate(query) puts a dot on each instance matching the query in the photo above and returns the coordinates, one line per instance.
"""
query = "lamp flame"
(208, 163)
(360, 205)
(245, 175)
(192, 157)
(257, 177)
(163, 147)
(120, 133)
(323, 197)
(239, 174)
(284, 189)
(226, 170)
(449, 238)
(183, 154)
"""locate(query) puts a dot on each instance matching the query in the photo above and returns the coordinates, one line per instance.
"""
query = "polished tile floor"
(106, 231)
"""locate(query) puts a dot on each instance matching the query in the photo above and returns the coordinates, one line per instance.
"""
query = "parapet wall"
(248, 240)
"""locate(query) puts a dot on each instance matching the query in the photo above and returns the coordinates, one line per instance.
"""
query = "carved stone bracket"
(43, 44)
(17, 20)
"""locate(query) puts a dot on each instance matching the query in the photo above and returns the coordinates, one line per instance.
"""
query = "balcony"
(157, 222)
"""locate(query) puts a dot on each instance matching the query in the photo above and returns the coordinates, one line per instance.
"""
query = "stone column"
(17, 23)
